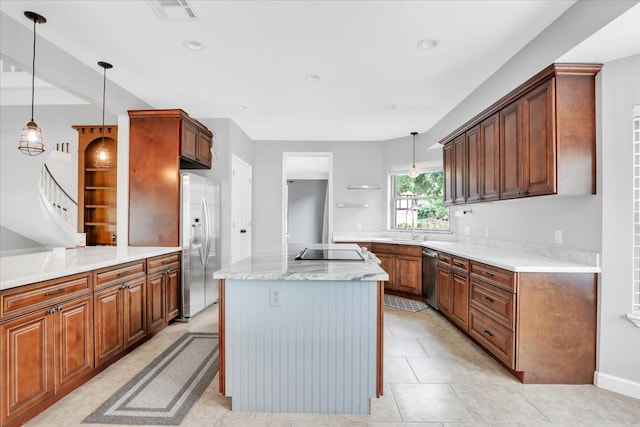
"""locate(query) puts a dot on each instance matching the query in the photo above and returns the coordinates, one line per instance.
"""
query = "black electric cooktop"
(329, 255)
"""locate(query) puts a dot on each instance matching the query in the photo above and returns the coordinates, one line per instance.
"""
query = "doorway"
(241, 189)
(307, 194)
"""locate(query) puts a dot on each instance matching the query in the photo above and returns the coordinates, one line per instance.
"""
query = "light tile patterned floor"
(435, 377)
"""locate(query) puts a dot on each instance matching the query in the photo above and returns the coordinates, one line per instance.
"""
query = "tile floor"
(435, 377)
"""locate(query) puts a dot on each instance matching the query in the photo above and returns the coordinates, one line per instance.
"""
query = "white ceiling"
(375, 83)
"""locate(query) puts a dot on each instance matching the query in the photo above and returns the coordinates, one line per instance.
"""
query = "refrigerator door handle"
(206, 230)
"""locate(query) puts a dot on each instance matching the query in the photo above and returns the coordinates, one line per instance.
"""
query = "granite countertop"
(510, 256)
(281, 265)
(18, 270)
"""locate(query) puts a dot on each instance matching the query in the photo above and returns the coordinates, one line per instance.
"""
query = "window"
(636, 211)
(418, 203)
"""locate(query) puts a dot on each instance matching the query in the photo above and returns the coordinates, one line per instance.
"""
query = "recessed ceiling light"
(193, 45)
(312, 78)
(427, 43)
(241, 107)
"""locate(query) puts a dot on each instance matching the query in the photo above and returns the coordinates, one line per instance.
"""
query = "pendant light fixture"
(31, 142)
(413, 170)
(103, 159)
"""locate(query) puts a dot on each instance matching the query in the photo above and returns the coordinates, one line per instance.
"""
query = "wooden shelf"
(101, 188)
(97, 187)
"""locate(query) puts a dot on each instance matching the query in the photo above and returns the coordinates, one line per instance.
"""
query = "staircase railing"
(62, 203)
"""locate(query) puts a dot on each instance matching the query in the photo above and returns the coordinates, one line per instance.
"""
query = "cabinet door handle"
(487, 333)
(487, 299)
(56, 292)
(52, 310)
(59, 308)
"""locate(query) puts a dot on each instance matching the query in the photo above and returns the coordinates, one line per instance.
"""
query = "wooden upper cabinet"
(539, 148)
(449, 168)
(460, 161)
(474, 165)
(161, 142)
(490, 159)
(537, 140)
(511, 153)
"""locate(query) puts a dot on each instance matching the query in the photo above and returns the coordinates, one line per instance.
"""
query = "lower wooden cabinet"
(403, 264)
(44, 353)
(163, 290)
(453, 289)
(540, 326)
(120, 319)
(56, 334)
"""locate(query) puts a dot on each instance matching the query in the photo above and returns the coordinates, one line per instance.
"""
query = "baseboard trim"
(617, 384)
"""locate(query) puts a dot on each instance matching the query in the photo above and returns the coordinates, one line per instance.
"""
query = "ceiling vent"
(173, 10)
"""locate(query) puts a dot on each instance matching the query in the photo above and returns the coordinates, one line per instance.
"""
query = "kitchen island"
(302, 336)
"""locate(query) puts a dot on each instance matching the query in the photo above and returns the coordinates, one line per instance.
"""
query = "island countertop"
(18, 270)
(281, 265)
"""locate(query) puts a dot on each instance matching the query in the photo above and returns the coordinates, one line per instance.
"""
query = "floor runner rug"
(404, 304)
(164, 391)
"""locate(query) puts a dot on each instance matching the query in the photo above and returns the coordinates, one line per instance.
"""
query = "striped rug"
(164, 391)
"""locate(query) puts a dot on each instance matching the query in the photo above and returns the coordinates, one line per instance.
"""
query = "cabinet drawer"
(163, 262)
(444, 258)
(495, 338)
(460, 263)
(494, 302)
(386, 248)
(496, 276)
(31, 297)
(409, 250)
(119, 273)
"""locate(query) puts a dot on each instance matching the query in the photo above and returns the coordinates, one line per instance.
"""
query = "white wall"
(619, 339)
(229, 139)
(354, 163)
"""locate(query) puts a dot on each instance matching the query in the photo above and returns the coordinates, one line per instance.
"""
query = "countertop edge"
(57, 269)
(517, 262)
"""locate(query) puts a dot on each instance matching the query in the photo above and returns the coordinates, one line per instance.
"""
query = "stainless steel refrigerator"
(200, 241)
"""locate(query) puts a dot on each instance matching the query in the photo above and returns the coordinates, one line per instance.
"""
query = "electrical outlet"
(558, 237)
(275, 297)
(486, 232)
(358, 227)
(467, 230)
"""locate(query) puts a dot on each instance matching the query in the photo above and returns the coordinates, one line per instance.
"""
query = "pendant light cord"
(414, 150)
(33, 68)
(104, 91)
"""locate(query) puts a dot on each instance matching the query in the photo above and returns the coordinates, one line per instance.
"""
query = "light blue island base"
(315, 350)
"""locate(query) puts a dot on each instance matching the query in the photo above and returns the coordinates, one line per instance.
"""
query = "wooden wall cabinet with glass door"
(97, 185)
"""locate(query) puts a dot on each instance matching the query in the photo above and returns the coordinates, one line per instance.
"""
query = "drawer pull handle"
(56, 292)
(458, 264)
(166, 262)
(487, 299)
(486, 273)
(123, 273)
(487, 333)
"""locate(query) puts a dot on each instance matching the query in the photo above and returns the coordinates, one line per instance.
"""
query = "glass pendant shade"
(413, 170)
(31, 140)
(102, 160)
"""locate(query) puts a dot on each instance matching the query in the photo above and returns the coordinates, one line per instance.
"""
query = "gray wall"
(354, 163)
(306, 210)
(619, 346)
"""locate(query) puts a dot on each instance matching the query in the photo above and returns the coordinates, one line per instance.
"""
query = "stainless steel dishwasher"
(430, 277)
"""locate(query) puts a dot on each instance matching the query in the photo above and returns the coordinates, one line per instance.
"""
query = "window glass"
(418, 203)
